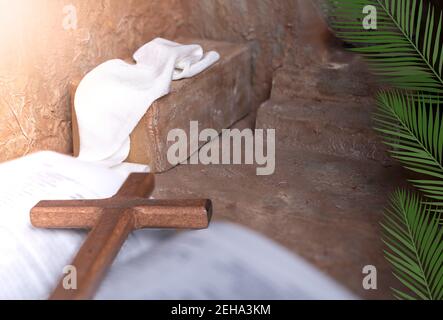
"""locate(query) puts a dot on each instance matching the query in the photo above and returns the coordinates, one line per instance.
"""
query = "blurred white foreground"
(224, 262)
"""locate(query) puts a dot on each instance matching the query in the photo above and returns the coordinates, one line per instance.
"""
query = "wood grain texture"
(97, 254)
(111, 221)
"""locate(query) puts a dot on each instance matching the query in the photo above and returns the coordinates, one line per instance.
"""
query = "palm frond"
(414, 243)
(405, 49)
(414, 131)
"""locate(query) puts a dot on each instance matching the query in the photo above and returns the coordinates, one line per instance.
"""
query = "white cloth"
(110, 101)
(112, 98)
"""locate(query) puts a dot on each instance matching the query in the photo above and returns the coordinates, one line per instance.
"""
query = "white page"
(223, 262)
(32, 260)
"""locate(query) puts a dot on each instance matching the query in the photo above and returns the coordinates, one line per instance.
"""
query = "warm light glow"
(24, 27)
(11, 25)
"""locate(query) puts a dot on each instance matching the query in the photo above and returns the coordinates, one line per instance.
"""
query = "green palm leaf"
(406, 47)
(414, 131)
(414, 243)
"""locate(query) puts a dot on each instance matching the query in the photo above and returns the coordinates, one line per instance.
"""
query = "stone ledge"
(332, 81)
(326, 127)
(216, 98)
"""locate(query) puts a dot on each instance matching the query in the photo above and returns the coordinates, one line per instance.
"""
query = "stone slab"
(216, 98)
(327, 127)
(323, 202)
(344, 78)
(323, 207)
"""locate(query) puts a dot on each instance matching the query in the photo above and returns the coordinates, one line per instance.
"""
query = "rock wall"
(42, 50)
(267, 25)
(42, 47)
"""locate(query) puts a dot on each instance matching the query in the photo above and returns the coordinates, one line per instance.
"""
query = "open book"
(224, 262)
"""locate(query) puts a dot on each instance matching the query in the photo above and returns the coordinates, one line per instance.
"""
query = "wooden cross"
(111, 221)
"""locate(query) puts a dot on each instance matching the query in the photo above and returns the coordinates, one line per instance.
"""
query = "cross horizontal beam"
(85, 214)
(111, 220)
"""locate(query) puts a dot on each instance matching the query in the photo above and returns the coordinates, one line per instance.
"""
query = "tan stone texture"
(216, 99)
(39, 58)
(268, 26)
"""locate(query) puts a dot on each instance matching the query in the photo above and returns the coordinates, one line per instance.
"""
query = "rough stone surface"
(325, 200)
(323, 207)
(327, 127)
(268, 26)
(217, 98)
(39, 58)
(344, 78)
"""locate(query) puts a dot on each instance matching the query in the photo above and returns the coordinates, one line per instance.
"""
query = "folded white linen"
(112, 98)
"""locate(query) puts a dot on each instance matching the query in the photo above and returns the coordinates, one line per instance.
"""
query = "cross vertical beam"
(112, 220)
